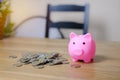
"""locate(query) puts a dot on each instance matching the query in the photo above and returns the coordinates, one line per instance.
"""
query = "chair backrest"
(67, 8)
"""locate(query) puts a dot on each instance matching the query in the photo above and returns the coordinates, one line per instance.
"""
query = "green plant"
(4, 12)
(4, 7)
(8, 30)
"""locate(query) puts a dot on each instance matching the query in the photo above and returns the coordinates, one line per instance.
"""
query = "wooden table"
(106, 65)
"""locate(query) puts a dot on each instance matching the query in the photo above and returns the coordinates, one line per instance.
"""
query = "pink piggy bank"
(81, 47)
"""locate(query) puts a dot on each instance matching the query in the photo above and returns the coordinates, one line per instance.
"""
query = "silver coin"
(35, 63)
(12, 56)
(55, 62)
(39, 67)
(18, 64)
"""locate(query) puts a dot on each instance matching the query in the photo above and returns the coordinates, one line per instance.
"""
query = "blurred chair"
(62, 24)
(31, 27)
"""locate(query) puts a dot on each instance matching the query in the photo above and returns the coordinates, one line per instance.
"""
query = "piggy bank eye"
(74, 43)
(83, 43)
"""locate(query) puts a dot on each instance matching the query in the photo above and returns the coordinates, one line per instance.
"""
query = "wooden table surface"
(106, 65)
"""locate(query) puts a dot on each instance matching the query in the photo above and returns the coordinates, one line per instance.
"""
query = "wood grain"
(106, 65)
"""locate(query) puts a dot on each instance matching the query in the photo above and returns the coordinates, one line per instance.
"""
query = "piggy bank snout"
(78, 52)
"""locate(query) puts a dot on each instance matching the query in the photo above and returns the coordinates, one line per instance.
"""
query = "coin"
(34, 63)
(55, 62)
(18, 64)
(24, 60)
(75, 65)
(39, 67)
(12, 56)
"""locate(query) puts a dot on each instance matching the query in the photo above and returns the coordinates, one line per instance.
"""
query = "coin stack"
(39, 60)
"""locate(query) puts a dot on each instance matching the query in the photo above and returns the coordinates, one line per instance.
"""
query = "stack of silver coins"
(39, 60)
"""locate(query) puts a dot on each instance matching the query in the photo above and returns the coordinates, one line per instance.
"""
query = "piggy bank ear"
(72, 35)
(88, 36)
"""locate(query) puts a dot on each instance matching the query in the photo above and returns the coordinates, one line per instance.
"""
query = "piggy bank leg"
(74, 60)
(92, 60)
(87, 60)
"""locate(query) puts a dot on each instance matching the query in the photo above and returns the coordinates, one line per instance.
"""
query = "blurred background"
(104, 18)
